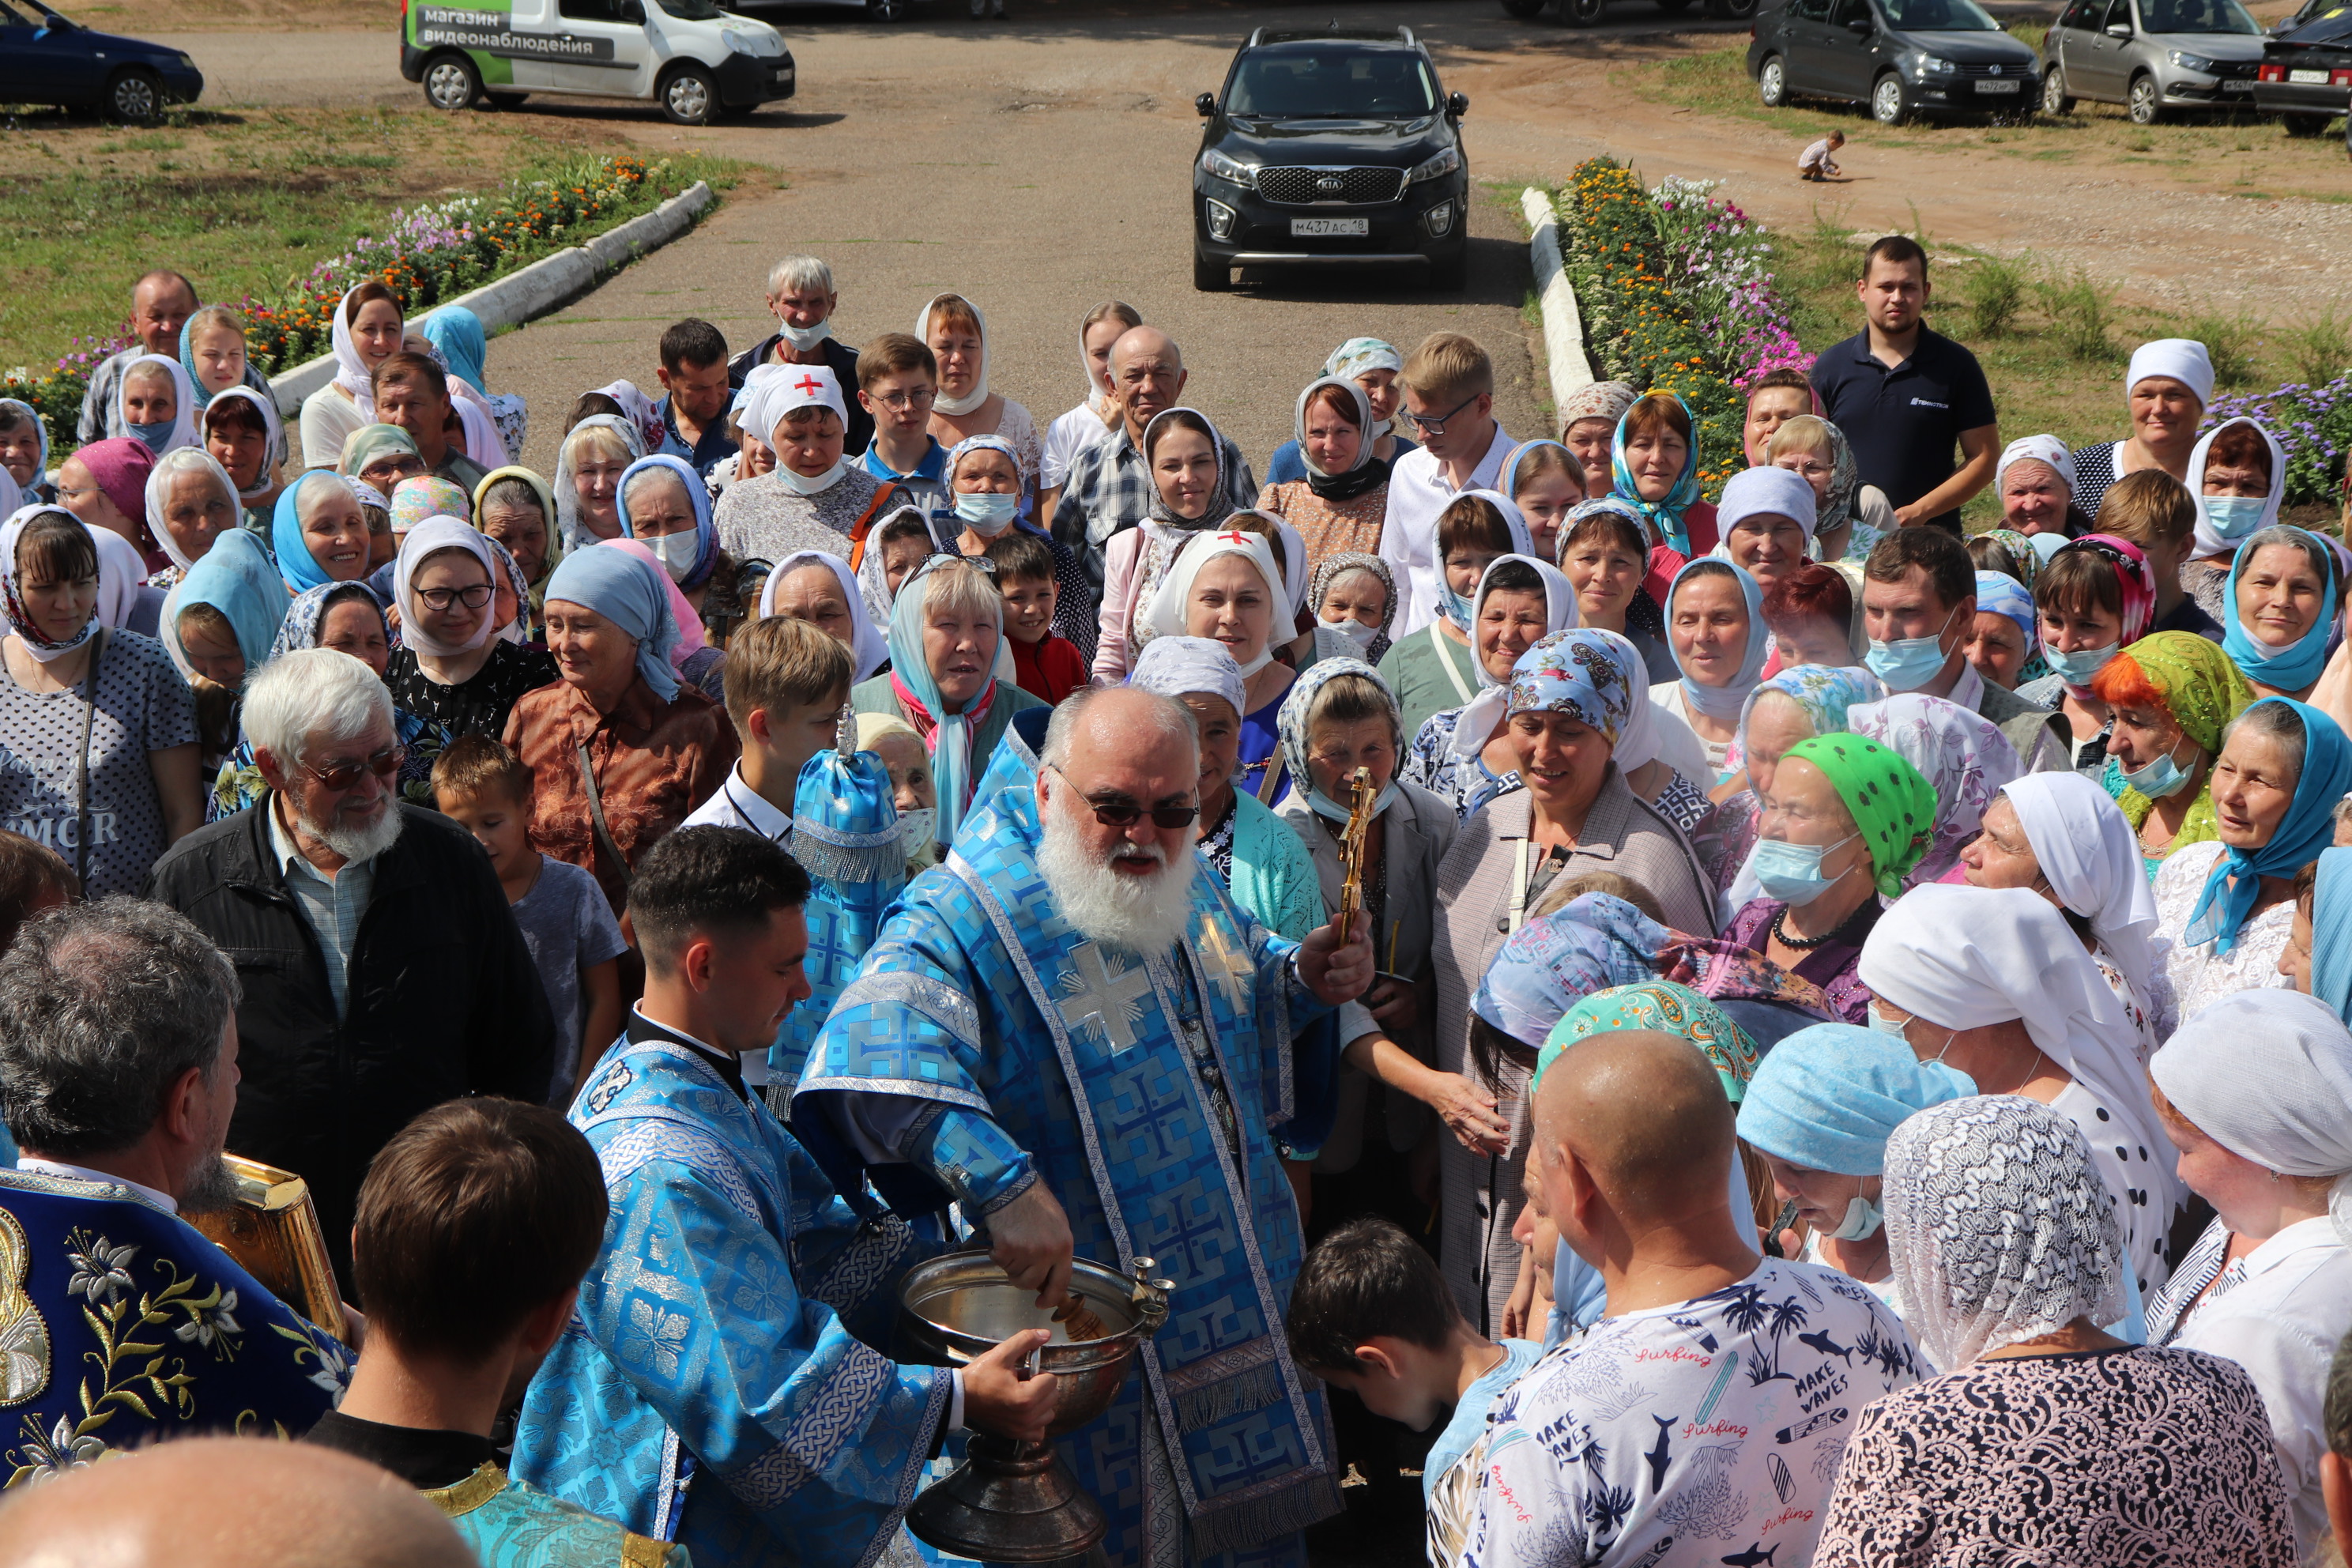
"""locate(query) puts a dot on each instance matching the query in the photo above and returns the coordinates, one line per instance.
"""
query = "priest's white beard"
(358, 844)
(1146, 914)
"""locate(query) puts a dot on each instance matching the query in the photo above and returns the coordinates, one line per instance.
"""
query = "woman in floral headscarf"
(2173, 694)
(1353, 600)
(1587, 427)
(1965, 759)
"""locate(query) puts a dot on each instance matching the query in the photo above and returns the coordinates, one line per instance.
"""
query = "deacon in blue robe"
(121, 1323)
(717, 1385)
(953, 1053)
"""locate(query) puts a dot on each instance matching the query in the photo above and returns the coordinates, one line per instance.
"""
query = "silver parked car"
(2151, 55)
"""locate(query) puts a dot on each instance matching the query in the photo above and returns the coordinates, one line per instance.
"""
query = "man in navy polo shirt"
(1903, 395)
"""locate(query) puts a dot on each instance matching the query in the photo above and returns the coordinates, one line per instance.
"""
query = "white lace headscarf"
(1999, 1226)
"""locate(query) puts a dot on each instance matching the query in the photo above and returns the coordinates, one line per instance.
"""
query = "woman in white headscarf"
(588, 468)
(159, 403)
(2256, 1090)
(1225, 586)
(818, 587)
(2005, 1254)
(367, 332)
(1093, 420)
(2035, 483)
(955, 332)
(1465, 756)
(1185, 457)
(2060, 835)
(1993, 982)
(241, 428)
(2167, 389)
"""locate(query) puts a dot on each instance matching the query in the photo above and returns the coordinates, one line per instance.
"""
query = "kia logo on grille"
(1330, 185)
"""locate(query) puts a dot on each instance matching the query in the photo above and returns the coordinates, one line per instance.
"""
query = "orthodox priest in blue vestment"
(1073, 1000)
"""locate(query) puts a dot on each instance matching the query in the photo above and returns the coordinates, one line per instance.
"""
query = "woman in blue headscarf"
(2227, 906)
(947, 626)
(1820, 1110)
(319, 534)
(2279, 610)
(1716, 630)
(1654, 461)
(218, 626)
(619, 753)
(2318, 956)
(665, 505)
(2005, 644)
(455, 333)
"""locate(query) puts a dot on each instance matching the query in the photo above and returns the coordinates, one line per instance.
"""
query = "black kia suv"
(1330, 148)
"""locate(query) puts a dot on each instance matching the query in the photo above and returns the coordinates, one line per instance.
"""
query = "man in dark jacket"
(383, 970)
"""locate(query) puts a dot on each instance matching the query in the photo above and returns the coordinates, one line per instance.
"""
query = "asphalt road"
(1037, 170)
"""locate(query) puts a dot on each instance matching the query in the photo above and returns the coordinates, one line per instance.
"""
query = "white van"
(696, 61)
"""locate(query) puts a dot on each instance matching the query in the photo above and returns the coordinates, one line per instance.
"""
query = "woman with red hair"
(1810, 613)
(2171, 694)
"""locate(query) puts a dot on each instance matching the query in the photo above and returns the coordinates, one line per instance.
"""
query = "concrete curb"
(538, 288)
(1563, 327)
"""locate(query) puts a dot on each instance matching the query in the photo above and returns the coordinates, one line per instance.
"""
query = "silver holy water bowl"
(1011, 1502)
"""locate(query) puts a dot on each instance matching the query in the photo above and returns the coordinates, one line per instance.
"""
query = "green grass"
(243, 202)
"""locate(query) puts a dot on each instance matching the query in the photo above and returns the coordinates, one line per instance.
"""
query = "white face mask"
(918, 832)
(676, 551)
(805, 338)
(802, 484)
(1862, 1218)
(1361, 633)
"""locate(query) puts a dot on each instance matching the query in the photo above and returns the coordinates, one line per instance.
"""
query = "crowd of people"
(1768, 1029)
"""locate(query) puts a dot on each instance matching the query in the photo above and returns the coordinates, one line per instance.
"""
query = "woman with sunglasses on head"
(452, 669)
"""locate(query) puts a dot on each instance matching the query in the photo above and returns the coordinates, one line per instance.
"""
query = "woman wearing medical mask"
(665, 507)
(2279, 610)
(1352, 597)
(912, 791)
(1832, 836)
(1819, 1109)
(2237, 476)
(2172, 695)
(983, 480)
(2094, 598)
(1992, 983)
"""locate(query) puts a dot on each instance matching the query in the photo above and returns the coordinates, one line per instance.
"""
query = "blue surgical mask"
(2077, 669)
(989, 514)
(1453, 607)
(2159, 778)
(1889, 1027)
(1862, 1218)
(153, 436)
(1792, 873)
(2232, 517)
(1908, 664)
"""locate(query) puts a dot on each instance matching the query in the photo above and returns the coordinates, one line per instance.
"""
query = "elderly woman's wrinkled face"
(1590, 440)
(79, 494)
(1231, 602)
(2141, 735)
(523, 531)
(196, 512)
(1509, 621)
(1221, 744)
(959, 648)
(909, 766)
(2034, 498)
(658, 506)
(593, 656)
(2279, 596)
(1563, 759)
(1184, 467)
(1775, 724)
(149, 397)
(2000, 856)
(20, 451)
(2244, 481)
(1335, 751)
(353, 629)
(1381, 391)
(2239, 1189)
(810, 593)
(1709, 628)
(1768, 546)
(986, 472)
(333, 531)
(1803, 807)
(900, 555)
(1995, 648)
(385, 470)
(1356, 596)
(1767, 411)
(2253, 785)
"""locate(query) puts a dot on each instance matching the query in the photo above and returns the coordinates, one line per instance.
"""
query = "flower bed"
(2313, 423)
(425, 255)
(1677, 295)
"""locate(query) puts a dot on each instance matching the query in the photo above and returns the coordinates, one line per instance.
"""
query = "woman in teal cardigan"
(947, 626)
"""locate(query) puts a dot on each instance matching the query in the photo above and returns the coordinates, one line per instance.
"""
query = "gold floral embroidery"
(24, 1332)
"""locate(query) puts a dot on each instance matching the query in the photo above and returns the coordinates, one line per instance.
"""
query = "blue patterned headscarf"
(1593, 941)
(1723, 701)
(2308, 827)
(1575, 673)
(1669, 1008)
(631, 594)
(2290, 668)
(1825, 691)
(308, 613)
(1358, 357)
(697, 498)
(1664, 517)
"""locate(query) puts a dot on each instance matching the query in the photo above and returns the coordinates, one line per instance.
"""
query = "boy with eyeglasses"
(898, 379)
(1449, 407)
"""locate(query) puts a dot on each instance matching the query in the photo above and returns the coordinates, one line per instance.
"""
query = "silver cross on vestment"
(1101, 997)
(1229, 968)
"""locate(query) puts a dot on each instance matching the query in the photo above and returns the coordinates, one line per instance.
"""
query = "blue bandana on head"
(2291, 668)
(1725, 701)
(1828, 1097)
(458, 333)
(2308, 827)
(235, 577)
(634, 596)
(698, 497)
(2331, 931)
(1664, 517)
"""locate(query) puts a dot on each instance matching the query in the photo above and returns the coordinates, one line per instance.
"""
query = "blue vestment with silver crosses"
(980, 1003)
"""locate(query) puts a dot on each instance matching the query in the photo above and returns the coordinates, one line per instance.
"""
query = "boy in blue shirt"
(898, 382)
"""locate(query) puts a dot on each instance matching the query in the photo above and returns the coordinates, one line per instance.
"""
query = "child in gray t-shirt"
(566, 923)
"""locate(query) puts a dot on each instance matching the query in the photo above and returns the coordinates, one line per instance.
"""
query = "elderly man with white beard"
(1071, 1030)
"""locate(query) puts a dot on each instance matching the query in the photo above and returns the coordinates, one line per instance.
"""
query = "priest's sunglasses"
(1120, 812)
(383, 765)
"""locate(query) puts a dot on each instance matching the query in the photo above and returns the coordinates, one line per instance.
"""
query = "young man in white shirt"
(1449, 399)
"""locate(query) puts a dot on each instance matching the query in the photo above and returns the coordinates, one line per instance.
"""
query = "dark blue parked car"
(45, 57)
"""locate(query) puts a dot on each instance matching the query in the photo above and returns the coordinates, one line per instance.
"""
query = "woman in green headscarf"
(2173, 694)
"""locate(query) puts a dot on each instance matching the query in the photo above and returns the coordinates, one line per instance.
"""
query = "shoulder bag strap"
(1445, 662)
(604, 844)
(81, 767)
(864, 523)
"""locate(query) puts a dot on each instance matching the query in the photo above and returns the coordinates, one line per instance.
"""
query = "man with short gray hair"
(119, 1071)
(802, 297)
(383, 969)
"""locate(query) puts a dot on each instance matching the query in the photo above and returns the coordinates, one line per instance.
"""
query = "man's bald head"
(1644, 1115)
(228, 1502)
(1146, 374)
